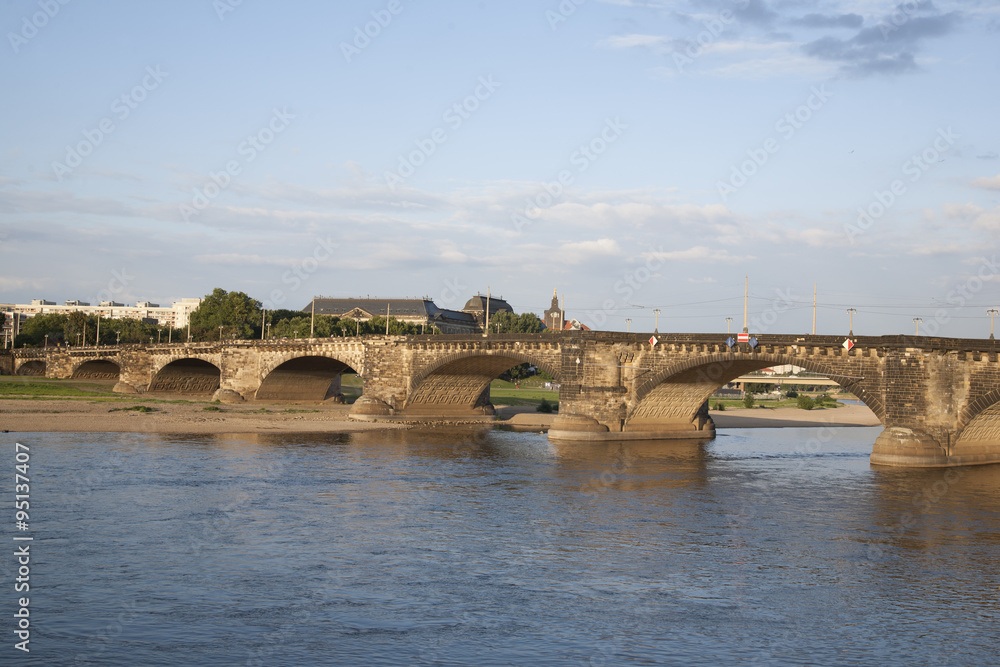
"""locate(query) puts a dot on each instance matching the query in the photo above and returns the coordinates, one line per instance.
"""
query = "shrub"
(545, 407)
(792, 394)
(720, 407)
(748, 400)
(806, 403)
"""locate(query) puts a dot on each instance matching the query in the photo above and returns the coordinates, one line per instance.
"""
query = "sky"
(636, 156)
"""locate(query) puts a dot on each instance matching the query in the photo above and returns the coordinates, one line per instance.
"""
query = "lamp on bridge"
(851, 311)
(991, 312)
(729, 322)
(628, 325)
(917, 321)
(118, 337)
(656, 324)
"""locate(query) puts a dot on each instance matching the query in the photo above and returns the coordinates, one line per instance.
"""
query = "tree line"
(226, 315)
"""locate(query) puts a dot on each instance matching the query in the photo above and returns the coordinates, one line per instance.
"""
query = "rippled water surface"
(776, 546)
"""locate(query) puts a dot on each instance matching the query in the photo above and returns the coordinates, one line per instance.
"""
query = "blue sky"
(633, 155)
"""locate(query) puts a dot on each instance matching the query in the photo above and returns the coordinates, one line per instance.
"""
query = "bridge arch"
(678, 392)
(460, 382)
(309, 377)
(96, 369)
(188, 375)
(31, 367)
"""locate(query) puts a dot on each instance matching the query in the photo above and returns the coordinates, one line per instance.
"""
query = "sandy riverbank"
(24, 415)
(77, 415)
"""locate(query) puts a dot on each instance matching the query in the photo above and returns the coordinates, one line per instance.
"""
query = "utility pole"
(814, 309)
(746, 297)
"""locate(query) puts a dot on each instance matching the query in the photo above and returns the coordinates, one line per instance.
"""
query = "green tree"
(748, 400)
(508, 322)
(236, 313)
(35, 329)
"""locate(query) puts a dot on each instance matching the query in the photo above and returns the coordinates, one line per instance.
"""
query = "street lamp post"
(268, 329)
(118, 337)
(851, 311)
(656, 324)
(917, 321)
(992, 312)
(220, 332)
(46, 343)
(729, 323)
(628, 325)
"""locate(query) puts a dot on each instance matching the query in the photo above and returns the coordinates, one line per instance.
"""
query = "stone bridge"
(938, 398)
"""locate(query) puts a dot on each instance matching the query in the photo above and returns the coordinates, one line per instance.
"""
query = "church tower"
(553, 316)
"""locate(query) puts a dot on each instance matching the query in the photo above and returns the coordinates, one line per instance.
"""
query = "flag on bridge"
(743, 337)
(848, 344)
(653, 341)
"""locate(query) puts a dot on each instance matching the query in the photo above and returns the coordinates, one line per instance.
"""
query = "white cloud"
(698, 254)
(990, 183)
(586, 251)
(631, 41)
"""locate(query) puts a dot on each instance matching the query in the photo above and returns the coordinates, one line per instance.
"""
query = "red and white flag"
(743, 337)
(848, 344)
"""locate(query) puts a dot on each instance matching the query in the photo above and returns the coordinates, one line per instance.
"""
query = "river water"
(768, 546)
